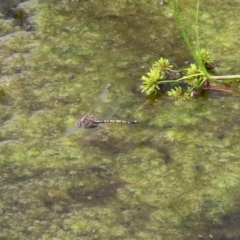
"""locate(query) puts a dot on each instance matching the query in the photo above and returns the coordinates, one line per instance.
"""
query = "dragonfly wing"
(100, 102)
(71, 131)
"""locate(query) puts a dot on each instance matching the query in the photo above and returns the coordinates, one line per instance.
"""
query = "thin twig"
(219, 89)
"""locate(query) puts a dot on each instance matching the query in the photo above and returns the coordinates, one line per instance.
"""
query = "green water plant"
(184, 83)
(151, 83)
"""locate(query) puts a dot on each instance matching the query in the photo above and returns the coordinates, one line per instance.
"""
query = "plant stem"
(227, 77)
(197, 30)
(181, 79)
(195, 54)
(213, 78)
(182, 30)
(219, 89)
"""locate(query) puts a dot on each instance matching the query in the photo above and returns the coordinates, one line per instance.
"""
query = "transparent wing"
(97, 111)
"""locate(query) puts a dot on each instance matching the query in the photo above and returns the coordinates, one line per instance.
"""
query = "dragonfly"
(91, 122)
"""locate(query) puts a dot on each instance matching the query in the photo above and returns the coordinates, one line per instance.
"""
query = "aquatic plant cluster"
(192, 81)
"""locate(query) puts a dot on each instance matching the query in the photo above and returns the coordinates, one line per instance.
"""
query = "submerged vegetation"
(189, 82)
(175, 176)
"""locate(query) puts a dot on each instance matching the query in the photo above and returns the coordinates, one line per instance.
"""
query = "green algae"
(174, 176)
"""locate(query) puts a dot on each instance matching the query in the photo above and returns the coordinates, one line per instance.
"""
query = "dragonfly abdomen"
(115, 121)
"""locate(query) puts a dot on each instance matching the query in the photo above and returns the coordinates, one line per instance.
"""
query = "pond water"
(175, 175)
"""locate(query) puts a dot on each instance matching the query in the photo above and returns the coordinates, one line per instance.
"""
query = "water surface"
(174, 176)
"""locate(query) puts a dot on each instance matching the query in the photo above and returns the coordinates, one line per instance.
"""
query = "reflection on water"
(174, 176)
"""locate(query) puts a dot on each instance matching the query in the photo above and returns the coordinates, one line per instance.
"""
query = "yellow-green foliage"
(206, 56)
(151, 84)
(177, 93)
(162, 64)
(194, 78)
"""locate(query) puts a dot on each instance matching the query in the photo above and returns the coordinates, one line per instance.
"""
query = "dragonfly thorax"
(86, 122)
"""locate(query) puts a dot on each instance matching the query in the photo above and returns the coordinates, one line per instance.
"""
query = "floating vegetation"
(174, 176)
(193, 80)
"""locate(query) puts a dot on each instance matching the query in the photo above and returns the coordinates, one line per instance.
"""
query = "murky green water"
(174, 176)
